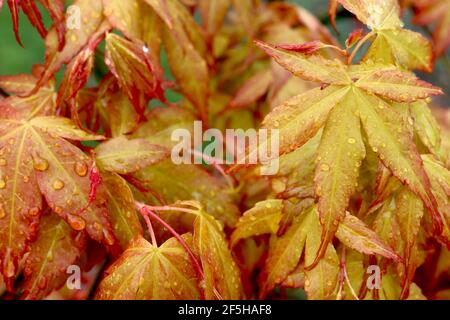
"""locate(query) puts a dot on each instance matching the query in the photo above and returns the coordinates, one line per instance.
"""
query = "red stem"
(146, 211)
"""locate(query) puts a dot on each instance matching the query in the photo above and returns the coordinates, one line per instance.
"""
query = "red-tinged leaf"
(213, 13)
(246, 11)
(309, 67)
(14, 7)
(77, 75)
(60, 170)
(426, 126)
(437, 13)
(375, 14)
(298, 119)
(56, 10)
(34, 15)
(354, 37)
(137, 21)
(186, 52)
(20, 199)
(121, 206)
(438, 171)
(355, 234)
(42, 103)
(138, 75)
(56, 248)
(284, 253)
(76, 38)
(391, 138)
(321, 281)
(340, 155)
(127, 156)
(181, 24)
(146, 272)
(408, 48)
(253, 89)
(186, 182)
(397, 85)
(263, 218)
(386, 226)
(409, 215)
(332, 11)
(190, 70)
(222, 275)
(306, 48)
(440, 183)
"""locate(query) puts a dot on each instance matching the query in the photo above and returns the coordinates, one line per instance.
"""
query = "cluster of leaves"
(86, 177)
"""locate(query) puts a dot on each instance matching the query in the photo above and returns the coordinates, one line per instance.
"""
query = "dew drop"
(50, 256)
(33, 211)
(76, 222)
(2, 183)
(40, 164)
(325, 167)
(351, 141)
(58, 184)
(81, 169)
(108, 237)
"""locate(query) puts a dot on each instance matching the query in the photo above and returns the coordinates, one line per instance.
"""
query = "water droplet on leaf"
(58, 184)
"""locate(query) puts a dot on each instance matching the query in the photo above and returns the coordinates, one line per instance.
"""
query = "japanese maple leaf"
(186, 52)
(76, 38)
(391, 43)
(30, 8)
(350, 96)
(57, 247)
(36, 160)
(136, 70)
(436, 13)
(22, 105)
(147, 272)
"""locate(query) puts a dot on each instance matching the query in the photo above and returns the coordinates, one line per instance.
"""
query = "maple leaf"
(42, 103)
(137, 21)
(222, 275)
(359, 89)
(127, 156)
(392, 44)
(284, 253)
(186, 52)
(302, 237)
(437, 14)
(320, 281)
(263, 218)
(76, 76)
(409, 214)
(57, 247)
(76, 38)
(146, 272)
(44, 163)
(356, 235)
(213, 13)
(122, 214)
(137, 72)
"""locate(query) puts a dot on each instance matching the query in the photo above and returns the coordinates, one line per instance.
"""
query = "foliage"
(86, 177)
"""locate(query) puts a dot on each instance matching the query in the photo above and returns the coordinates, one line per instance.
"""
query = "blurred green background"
(14, 59)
